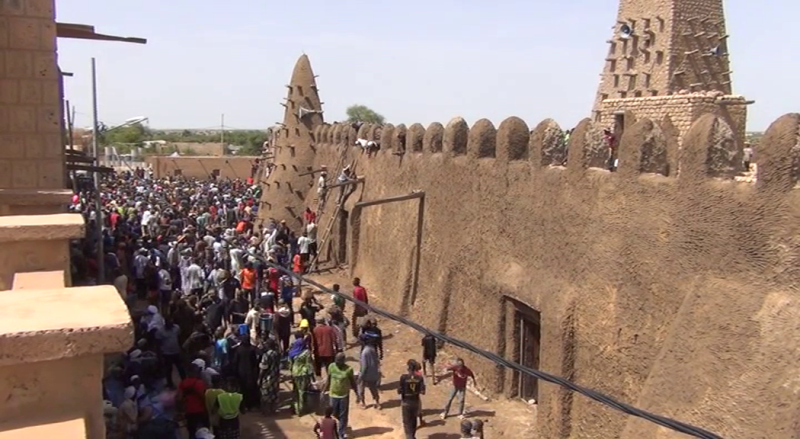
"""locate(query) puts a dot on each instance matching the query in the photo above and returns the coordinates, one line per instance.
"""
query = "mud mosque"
(668, 284)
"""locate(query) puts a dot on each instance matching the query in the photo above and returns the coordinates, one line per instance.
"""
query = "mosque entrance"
(619, 126)
(528, 322)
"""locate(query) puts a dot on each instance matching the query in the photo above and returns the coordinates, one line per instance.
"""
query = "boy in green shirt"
(228, 408)
(341, 380)
(211, 401)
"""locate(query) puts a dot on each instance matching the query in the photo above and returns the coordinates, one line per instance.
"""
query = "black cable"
(544, 376)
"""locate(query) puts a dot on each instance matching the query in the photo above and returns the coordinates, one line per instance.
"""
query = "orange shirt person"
(298, 269)
(249, 280)
(297, 264)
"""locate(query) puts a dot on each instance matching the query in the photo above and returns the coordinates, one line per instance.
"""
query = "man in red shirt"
(360, 294)
(309, 216)
(192, 391)
(461, 373)
(273, 278)
(325, 343)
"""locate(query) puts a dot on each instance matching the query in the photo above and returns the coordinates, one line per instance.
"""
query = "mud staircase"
(323, 238)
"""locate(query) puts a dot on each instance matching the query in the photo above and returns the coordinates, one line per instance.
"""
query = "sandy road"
(503, 418)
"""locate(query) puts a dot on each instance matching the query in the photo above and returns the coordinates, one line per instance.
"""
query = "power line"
(544, 376)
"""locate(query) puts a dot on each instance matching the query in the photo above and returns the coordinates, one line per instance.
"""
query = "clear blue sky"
(412, 61)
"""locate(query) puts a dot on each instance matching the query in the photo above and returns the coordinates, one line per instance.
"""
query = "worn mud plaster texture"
(662, 291)
(667, 284)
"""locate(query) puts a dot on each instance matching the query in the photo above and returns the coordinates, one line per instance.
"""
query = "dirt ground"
(502, 418)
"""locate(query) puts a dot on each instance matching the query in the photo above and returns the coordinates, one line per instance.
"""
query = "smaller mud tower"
(668, 59)
(294, 149)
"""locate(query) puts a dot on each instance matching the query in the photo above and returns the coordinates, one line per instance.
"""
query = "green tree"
(250, 140)
(362, 113)
(132, 134)
(250, 150)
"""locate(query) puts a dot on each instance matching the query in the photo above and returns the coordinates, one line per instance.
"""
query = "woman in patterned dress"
(302, 372)
(269, 378)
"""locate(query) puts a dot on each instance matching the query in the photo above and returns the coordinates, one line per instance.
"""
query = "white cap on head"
(199, 363)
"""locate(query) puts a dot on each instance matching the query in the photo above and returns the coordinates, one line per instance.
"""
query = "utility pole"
(98, 205)
(222, 133)
(71, 141)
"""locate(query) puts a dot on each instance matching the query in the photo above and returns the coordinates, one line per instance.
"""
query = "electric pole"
(98, 203)
(222, 133)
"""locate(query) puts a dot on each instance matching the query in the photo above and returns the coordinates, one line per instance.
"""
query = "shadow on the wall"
(446, 294)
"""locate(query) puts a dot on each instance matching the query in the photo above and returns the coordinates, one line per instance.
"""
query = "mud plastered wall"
(681, 110)
(201, 167)
(675, 294)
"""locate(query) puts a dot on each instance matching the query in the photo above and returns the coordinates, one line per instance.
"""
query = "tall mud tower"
(661, 47)
(286, 187)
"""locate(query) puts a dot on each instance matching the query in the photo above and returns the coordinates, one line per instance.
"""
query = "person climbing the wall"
(254, 169)
(322, 191)
(366, 145)
(567, 134)
(401, 143)
(747, 156)
(611, 145)
(344, 177)
(347, 175)
(373, 149)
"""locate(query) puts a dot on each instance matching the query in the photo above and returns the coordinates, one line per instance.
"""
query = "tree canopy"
(362, 113)
(131, 134)
(125, 138)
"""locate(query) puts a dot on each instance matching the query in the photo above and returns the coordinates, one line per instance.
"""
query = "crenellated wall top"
(709, 149)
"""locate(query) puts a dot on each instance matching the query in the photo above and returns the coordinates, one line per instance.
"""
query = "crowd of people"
(222, 318)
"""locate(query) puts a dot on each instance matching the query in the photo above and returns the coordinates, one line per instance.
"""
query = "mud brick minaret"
(668, 61)
(660, 47)
(285, 189)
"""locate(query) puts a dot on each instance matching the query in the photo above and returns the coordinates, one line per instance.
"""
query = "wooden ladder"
(329, 227)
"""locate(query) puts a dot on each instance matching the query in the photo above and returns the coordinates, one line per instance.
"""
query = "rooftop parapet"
(53, 324)
(36, 243)
(49, 334)
(646, 147)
